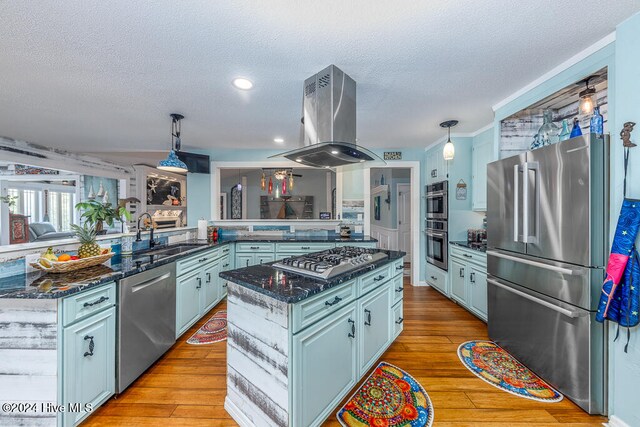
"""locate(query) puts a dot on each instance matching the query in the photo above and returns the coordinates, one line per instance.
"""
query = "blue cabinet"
(211, 286)
(468, 276)
(187, 300)
(88, 360)
(481, 155)
(375, 313)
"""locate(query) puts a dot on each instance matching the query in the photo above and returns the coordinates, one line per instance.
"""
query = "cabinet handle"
(400, 320)
(98, 301)
(368, 321)
(202, 259)
(199, 283)
(247, 263)
(208, 277)
(254, 247)
(400, 267)
(399, 289)
(225, 285)
(224, 251)
(353, 329)
(434, 278)
(472, 277)
(377, 279)
(91, 345)
(225, 265)
(305, 247)
(467, 256)
(336, 300)
(462, 272)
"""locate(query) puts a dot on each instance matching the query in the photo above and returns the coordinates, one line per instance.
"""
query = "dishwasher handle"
(569, 313)
(142, 285)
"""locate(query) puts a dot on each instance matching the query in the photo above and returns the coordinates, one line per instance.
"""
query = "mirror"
(277, 193)
(39, 204)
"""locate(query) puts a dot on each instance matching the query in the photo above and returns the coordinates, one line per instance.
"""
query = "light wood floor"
(187, 386)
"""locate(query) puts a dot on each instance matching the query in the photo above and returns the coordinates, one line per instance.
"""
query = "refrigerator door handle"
(562, 270)
(516, 190)
(535, 167)
(569, 313)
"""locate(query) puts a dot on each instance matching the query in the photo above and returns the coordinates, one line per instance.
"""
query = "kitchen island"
(297, 345)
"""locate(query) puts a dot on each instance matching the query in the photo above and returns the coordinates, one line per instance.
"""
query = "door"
(375, 324)
(478, 292)
(244, 260)
(210, 287)
(89, 363)
(324, 365)
(404, 219)
(187, 300)
(558, 211)
(505, 203)
(458, 286)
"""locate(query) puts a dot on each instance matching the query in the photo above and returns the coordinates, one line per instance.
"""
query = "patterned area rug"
(493, 364)
(214, 330)
(390, 397)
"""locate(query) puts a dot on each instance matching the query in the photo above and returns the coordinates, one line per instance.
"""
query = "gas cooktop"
(330, 263)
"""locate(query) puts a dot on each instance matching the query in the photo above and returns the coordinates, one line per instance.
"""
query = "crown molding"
(459, 135)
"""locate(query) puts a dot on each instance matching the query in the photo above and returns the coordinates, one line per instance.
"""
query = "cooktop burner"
(330, 263)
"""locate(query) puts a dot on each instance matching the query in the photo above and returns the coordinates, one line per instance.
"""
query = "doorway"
(390, 210)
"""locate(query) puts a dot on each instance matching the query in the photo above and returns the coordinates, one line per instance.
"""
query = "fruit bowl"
(66, 266)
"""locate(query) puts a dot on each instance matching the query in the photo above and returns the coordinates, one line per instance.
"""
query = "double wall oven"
(436, 230)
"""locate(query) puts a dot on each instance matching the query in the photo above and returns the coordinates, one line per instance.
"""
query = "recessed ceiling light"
(299, 160)
(278, 140)
(242, 83)
(334, 151)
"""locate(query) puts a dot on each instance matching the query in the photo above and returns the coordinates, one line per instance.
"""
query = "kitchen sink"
(172, 249)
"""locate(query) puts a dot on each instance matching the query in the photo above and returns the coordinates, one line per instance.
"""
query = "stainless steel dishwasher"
(146, 321)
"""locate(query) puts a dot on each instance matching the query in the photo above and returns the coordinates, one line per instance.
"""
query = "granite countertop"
(290, 287)
(465, 244)
(42, 285)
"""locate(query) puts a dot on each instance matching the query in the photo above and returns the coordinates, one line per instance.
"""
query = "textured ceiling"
(98, 76)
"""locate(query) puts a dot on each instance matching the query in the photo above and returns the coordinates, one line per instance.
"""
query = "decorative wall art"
(163, 192)
(236, 202)
(461, 190)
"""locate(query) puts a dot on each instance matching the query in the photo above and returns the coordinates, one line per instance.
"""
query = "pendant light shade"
(588, 99)
(172, 163)
(449, 150)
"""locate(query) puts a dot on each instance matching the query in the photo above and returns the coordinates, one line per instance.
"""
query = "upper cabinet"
(482, 154)
(435, 165)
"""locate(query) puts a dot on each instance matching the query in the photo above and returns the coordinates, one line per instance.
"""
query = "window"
(40, 205)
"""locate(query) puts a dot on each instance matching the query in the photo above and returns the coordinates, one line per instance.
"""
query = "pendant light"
(449, 150)
(239, 181)
(588, 99)
(172, 163)
(263, 182)
(291, 180)
(270, 189)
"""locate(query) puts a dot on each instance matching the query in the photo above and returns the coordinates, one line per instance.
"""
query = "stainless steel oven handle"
(534, 263)
(516, 189)
(437, 194)
(435, 233)
(563, 311)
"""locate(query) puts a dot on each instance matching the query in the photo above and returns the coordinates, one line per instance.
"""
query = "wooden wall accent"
(262, 352)
(28, 359)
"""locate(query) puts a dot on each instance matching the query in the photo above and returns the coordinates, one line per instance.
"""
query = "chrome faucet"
(152, 242)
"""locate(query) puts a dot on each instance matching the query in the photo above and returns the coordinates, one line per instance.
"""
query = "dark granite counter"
(290, 287)
(467, 245)
(39, 285)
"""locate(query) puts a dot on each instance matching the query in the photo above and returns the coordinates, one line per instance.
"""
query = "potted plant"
(97, 213)
(9, 200)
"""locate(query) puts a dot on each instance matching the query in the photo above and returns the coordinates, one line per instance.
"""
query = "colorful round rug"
(390, 397)
(214, 330)
(491, 363)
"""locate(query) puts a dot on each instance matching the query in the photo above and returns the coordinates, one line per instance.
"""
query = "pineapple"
(87, 236)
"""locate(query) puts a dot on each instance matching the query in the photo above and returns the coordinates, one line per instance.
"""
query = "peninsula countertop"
(291, 287)
(41, 285)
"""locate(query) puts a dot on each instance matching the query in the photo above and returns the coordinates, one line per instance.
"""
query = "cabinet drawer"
(254, 247)
(84, 304)
(397, 267)
(437, 278)
(398, 289)
(313, 309)
(226, 249)
(368, 282)
(187, 264)
(469, 255)
(397, 319)
(301, 248)
(225, 263)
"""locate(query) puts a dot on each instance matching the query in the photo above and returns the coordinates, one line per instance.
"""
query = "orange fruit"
(64, 257)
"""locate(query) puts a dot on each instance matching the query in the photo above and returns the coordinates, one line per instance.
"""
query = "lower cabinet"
(249, 259)
(325, 365)
(437, 278)
(211, 289)
(187, 300)
(88, 361)
(468, 277)
(374, 316)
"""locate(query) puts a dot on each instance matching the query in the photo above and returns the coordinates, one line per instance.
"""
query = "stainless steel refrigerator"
(547, 231)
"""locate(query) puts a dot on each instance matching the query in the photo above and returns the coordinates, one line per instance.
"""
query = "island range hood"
(329, 122)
